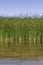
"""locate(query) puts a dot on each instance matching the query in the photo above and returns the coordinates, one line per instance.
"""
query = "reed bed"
(21, 36)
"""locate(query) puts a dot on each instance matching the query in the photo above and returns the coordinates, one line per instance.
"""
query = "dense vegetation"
(21, 27)
(21, 30)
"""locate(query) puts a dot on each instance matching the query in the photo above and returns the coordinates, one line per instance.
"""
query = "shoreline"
(30, 59)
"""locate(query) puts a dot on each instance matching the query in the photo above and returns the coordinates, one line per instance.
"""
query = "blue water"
(19, 61)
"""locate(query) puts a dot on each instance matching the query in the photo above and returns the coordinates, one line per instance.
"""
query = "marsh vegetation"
(21, 37)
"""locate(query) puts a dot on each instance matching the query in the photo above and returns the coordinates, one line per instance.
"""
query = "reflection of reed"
(23, 45)
(20, 40)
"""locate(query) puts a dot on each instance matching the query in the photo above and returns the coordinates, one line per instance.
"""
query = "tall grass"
(21, 27)
(17, 31)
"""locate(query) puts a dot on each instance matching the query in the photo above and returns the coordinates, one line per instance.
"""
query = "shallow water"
(19, 61)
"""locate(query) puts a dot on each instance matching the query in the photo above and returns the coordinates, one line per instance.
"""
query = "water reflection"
(25, 46)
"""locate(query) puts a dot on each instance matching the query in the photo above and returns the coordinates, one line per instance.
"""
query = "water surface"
(19, 61)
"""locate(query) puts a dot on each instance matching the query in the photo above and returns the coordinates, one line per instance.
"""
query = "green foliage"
(21, 27)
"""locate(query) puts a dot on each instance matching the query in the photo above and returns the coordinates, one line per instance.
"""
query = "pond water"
(19, 61)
